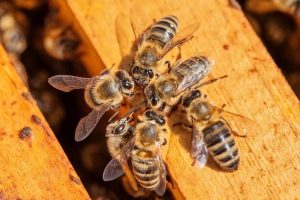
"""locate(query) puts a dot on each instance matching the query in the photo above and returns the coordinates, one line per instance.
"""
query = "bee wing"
(191, 74)
(115, 168)
(161, 187)
(67, 83)
(137, 25)
(181, 37)
(245, 125)
(199, 150)
(87, 124)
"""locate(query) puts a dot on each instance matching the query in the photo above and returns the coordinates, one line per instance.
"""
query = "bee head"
(141, 75)
(195, 94)
(125, 82)
(118, 128)
(153, 97)
(151, 115)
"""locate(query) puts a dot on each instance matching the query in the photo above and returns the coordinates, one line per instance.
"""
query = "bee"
(102, 92)
(12, 25)
(165, 91)
(212, 134)
(143, 150)
(12, 36)
(59, 40)
(153, 44)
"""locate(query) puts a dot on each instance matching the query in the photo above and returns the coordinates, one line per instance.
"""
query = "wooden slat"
(32, 163)
(270, 159)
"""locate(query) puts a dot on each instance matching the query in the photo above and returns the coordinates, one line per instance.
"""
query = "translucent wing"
(87, 124)
(68, 83)
(241, 126)
(199, 150)
(115, 168)
(190, 72)
(181, 37)
(161, 187)
(138, 25)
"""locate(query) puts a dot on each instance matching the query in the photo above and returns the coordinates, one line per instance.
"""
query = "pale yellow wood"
(32, 163)
(270, 162)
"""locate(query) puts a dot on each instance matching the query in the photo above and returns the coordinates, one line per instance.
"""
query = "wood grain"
(270, 158)
(32, 163)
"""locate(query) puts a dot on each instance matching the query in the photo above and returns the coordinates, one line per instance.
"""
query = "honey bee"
(102, 92)
(165, 91)
(12, 25)
(153, 44)
(143, 150)
(60, 41)
(119, 132)
(12, 36)
(212, 134)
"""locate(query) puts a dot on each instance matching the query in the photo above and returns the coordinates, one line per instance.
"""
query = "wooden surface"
(270, 159)
(32, 163)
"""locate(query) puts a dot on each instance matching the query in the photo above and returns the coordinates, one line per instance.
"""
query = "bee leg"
(174, 108)
(179, 54)
(237, 134)
(169, 179)
(168, 63)
(182, 124)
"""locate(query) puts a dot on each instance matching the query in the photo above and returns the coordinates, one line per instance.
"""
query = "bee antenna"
(113, 116)
(134, 109)
(210, 81)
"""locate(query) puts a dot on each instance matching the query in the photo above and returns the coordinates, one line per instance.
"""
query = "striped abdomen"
(163, 30)
(221, 145)
(145, 170)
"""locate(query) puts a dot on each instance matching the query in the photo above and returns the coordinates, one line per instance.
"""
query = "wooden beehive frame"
(255, 88)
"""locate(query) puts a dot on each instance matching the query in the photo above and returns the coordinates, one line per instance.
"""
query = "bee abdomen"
(221, 145)
(146, 172)
(163, 30)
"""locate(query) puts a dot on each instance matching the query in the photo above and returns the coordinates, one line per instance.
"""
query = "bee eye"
(135, 69)
(127, 84)
(196, 93)
(150, 73)
(120, 129)
(154, 100)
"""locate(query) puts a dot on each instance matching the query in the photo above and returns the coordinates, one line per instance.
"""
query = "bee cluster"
(135, 140)
(154, 87)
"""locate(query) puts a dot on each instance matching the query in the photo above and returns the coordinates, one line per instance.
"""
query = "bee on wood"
(165, 91)
(119, 132)
(60, 41)
(153, 44)
(143, 151)
(212, 134)
(102, 92)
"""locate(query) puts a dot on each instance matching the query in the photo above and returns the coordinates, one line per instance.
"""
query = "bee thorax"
(148, 134)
